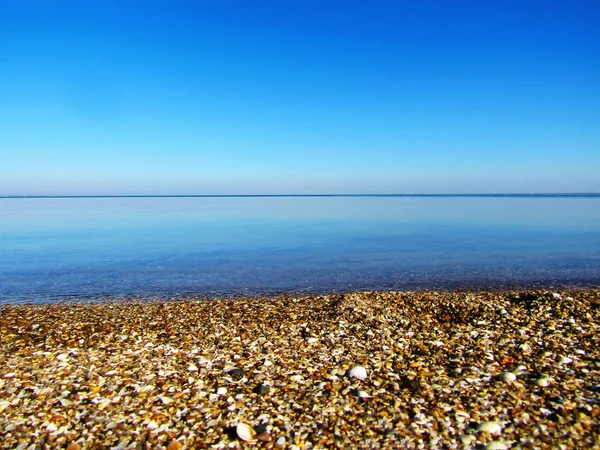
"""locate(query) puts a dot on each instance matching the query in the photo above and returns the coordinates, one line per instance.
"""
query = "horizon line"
(499, 194)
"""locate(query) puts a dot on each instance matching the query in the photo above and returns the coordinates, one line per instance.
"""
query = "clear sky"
(290, 96)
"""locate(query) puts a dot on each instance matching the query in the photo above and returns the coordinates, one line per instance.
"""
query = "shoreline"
(185, 373)
(273, 294)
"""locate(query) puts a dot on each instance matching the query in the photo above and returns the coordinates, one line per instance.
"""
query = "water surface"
(52, 248)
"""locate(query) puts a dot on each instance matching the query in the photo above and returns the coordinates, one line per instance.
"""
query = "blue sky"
(225, 97)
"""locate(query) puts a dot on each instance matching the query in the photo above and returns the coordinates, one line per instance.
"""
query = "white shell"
(490, 427)
(362, 394)
(542, 382)
(467, 439)
(496, 445)
(222, 390)
(245, 432)
(358, 372)
(565, 360)
(509, 377)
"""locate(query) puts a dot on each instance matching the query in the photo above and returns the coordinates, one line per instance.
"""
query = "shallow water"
(52, 248)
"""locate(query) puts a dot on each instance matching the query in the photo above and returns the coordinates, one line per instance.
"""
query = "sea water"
(64, 248)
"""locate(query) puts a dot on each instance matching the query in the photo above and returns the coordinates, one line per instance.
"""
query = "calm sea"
(55, 248)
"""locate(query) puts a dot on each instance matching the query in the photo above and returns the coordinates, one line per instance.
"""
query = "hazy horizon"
(328, 97)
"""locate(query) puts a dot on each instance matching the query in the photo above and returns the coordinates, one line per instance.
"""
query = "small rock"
(565, 360)
(362, 394)
(73, 446)
(262, 388)
(508, 377)
(542, 382)
(222, 390)
(264, 436)
(496, 445)
(174, 445)
(236, 374)
(490, 427)
(467, 439)
(280, 442)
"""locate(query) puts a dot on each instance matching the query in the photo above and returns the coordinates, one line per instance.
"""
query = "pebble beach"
(449, 370)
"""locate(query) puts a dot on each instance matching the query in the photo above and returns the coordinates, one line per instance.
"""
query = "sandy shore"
(443, 370)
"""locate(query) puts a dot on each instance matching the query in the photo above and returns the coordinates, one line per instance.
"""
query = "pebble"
(280, 442)
(542, 382)
(467, 439)
(362, 394)
(264, 436)
(565, 360)
(490, 427)
(496, 445)
(263, 388)
(174, 445)
(508, 377)
(222, 390)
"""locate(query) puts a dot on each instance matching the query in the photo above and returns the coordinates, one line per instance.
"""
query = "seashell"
(245, 432)
(262, 388)
(222, 390)
(467, 439)
(174, 445)
(496, 445)
(264, 436)
(490, 427)
(166, 400)
(542, 382)
(508, 377)
(362, 394)
(565, 360)
(358, 372)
